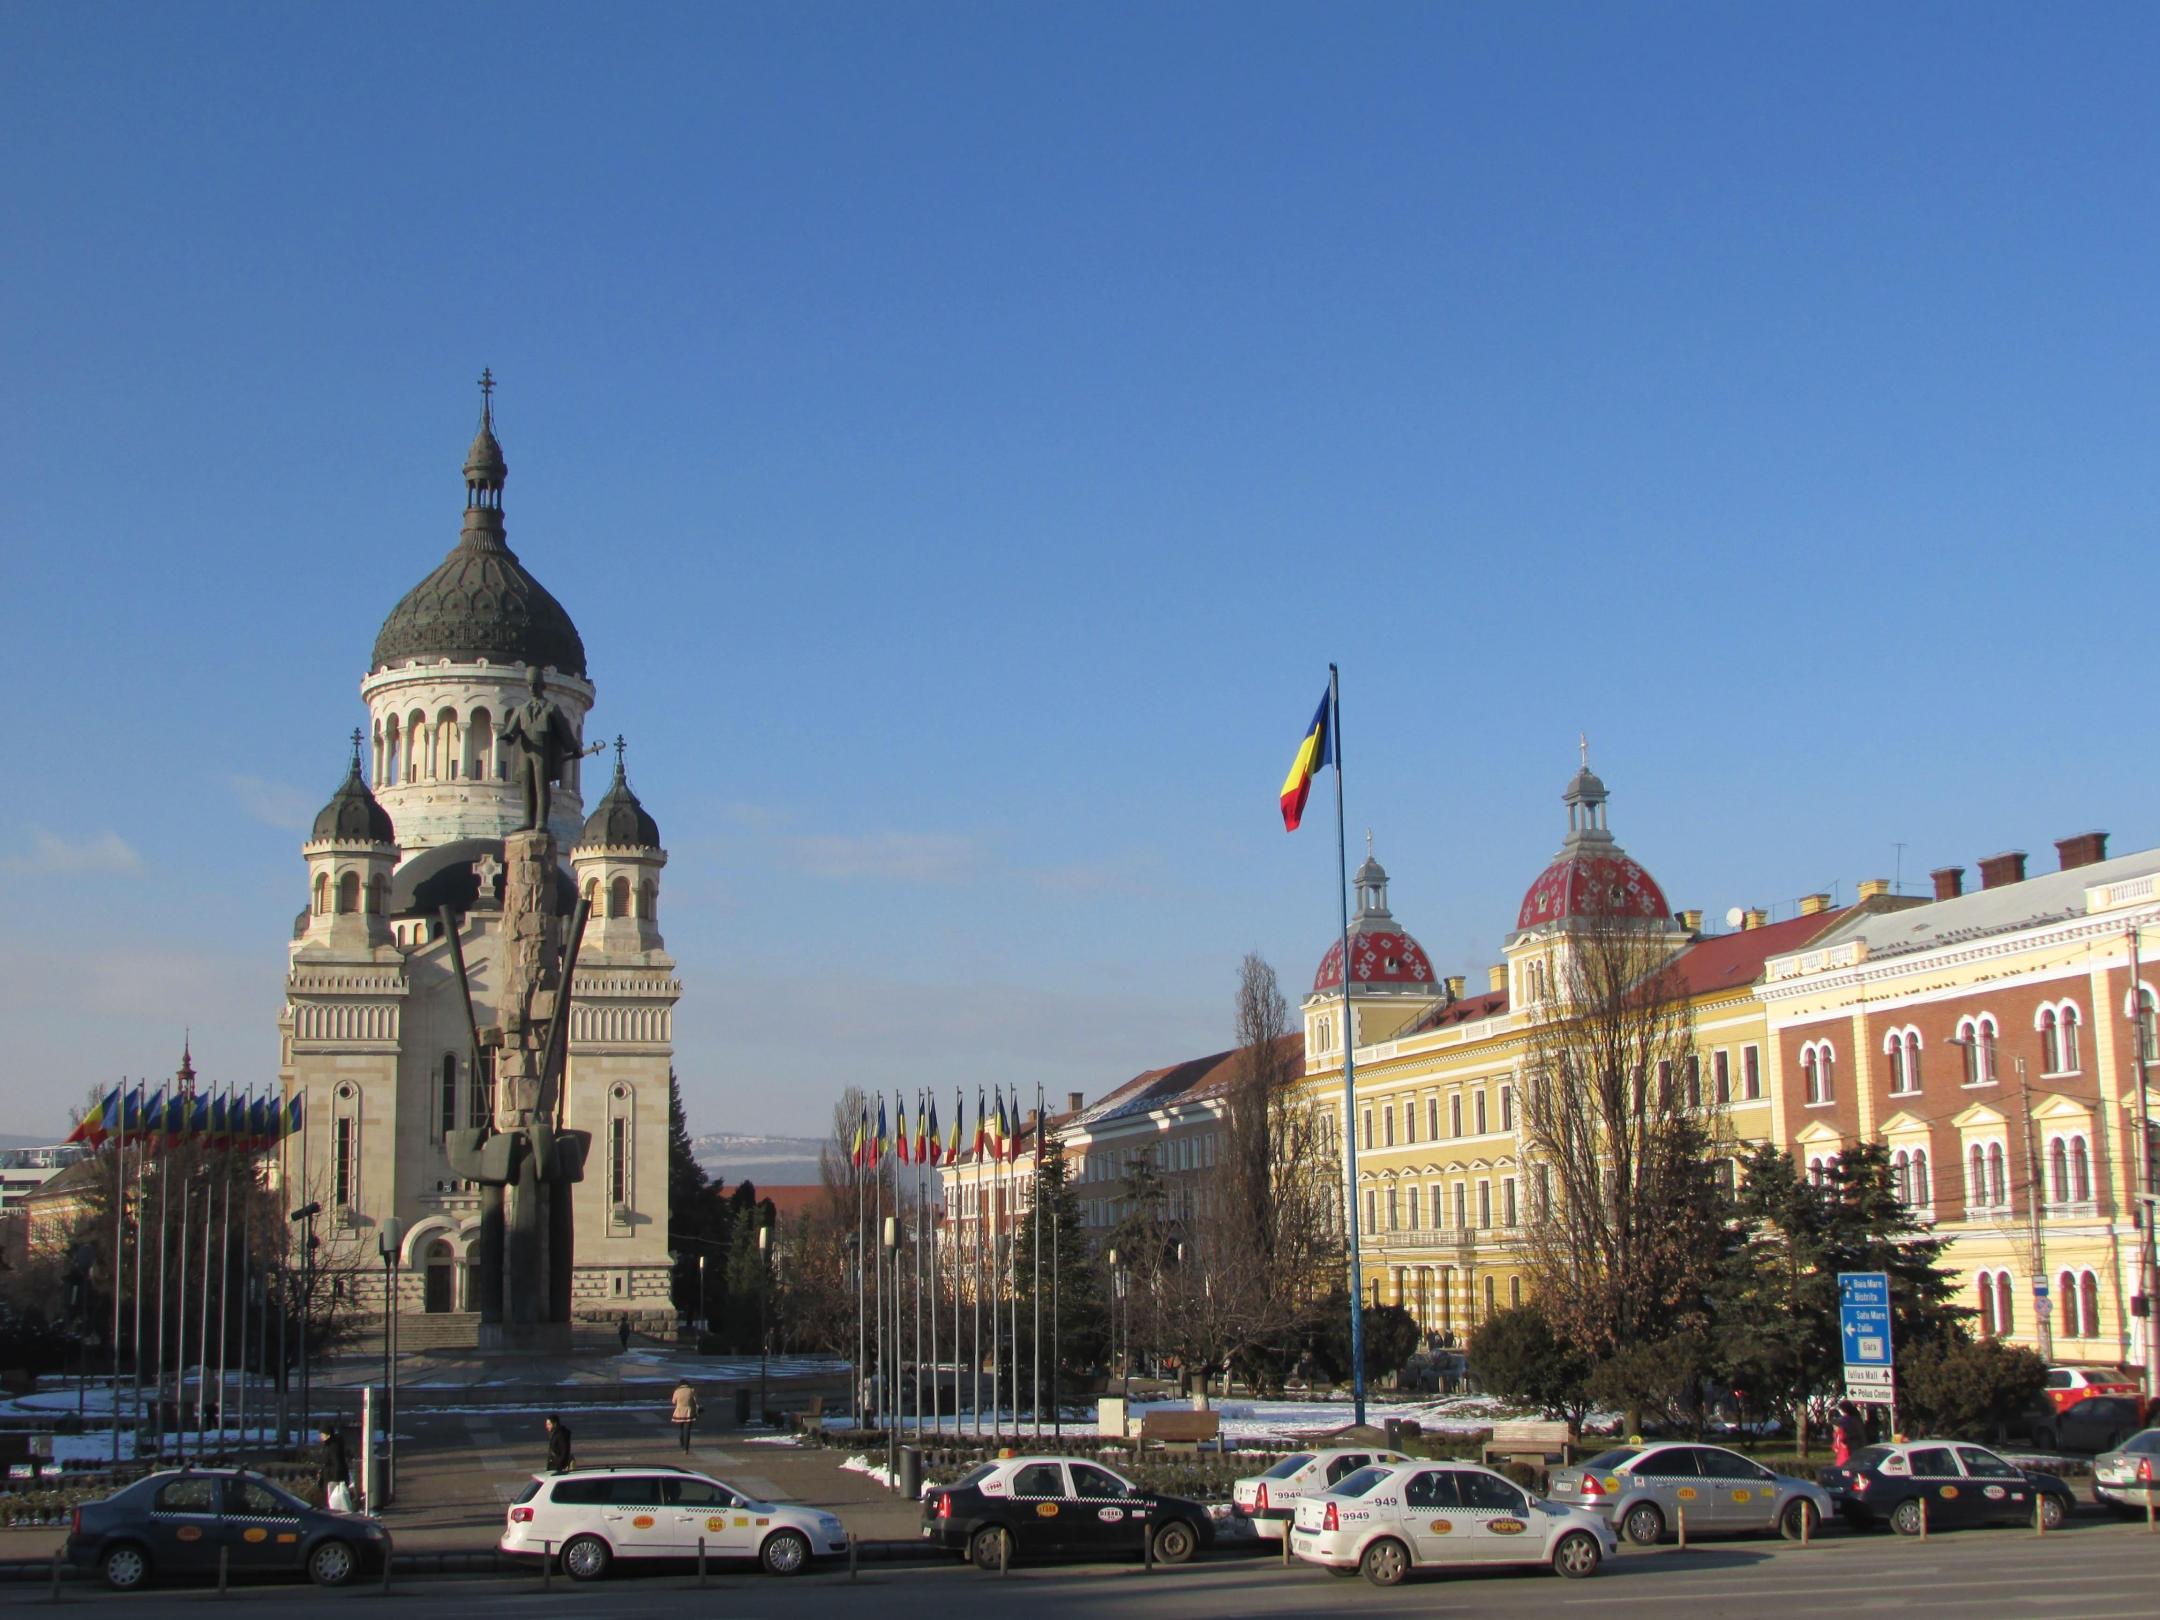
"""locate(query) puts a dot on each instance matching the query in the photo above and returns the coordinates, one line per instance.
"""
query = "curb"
(487, 1561)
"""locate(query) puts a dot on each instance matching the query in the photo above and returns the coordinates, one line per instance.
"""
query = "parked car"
(1031, 1507)
(589, 1517)
(2128, 1477)
(1269, 1499)
(1643, 1490)
(1383, 1522)
(177, 1523)
(2067, 1386)
(1942, 1485)
(2093, 1424)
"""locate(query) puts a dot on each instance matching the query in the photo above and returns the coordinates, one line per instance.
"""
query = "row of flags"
(167, 1118)
(996, 1137)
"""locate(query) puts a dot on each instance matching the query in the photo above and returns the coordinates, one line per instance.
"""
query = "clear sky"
(965, 434)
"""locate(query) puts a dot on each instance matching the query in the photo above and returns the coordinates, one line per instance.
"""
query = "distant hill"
(7, 1142)
(781, 1161)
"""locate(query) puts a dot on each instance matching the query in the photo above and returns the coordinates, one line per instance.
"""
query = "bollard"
(56, 1577)
(1807, 1519)
(1286, 1545)
(1147, 1550)
(1681, 1514)
(701, 1560)
(2039, 1513)
(851, 1555)
(1923, 1518)
(547, 1565)
(2150, 1524)
(222, 1554)
(386, 1556)
(1004, 1552)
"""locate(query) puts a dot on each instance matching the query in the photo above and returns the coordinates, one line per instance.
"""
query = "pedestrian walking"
(622, 1333)
(333, 1471)
(685, 1412)
(1847, 1434)
(558, 1450)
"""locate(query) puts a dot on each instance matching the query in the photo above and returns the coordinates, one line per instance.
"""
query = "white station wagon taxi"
(1385, 1522)
(1268, 1500)
(587, 1518)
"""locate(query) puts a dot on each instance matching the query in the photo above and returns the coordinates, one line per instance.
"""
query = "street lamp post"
(304, 1217)
(389, 1238)
(764, 1327)
(703, 1323)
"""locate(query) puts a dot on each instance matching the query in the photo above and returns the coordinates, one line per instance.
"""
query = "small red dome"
(1612, 885)
(1375, 958)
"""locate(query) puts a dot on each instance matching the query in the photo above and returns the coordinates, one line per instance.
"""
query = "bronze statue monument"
(541, 739)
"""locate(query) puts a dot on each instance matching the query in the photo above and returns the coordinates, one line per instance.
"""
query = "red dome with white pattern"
(1376, 959)
(1612, 885)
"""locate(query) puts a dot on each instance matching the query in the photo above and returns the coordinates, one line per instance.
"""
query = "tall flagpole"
(861, 1146)
(877, 1249)
(119, 1263)
(1349, 1091)
(179, 1402)
(202, 1350)
(952, 1245)
(997, 1281)
(164, 1207)
(224, 1325)
(1012, 1249)
(142, 1161)
(975, 1197)
(917, 1246)
(1035, 1398)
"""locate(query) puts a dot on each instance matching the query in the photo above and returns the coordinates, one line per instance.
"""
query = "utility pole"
(2148, 1279)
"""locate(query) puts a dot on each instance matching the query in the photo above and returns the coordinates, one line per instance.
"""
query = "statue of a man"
(540, 738)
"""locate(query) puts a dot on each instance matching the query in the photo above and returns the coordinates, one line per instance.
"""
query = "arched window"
(2148, 1023)
(1507, 1108)
(2058, 1170)
(1514, 1291)
(446, 742)
(1985, 1288)
(480, 746)
(1998, 1178)
(1900, 1186)
(2066, 1291)
(619, 898)
(1923, 1194)
(1902, 1047)
(2080, 1171)
(1976, 1175)
(392, 771)
(1490, 1298)
(348, 894)
(1813, 1081)
(1816, 1060)
(2005, 1316)
(1894, 1049)
(322, 893)
(649, 909)
(1694, 1080)
(419, 763)
(378, 892)
(2089, 1305)
(1977, 1040)
(1413, 1208)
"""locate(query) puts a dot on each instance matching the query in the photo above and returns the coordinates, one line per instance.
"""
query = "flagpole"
(142, 1161)
(1035, 1395)
(975, 1197)
(952, 1245)
(202, 1351)
(179, 1404)
(164, 1212)
(1342, 896)
(1012, 1249)
(862, 1375)
(119, 1265)
(916, 1257)
(927, 1224)
(224, 1327)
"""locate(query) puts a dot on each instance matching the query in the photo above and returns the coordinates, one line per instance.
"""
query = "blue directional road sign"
(1864, 1317)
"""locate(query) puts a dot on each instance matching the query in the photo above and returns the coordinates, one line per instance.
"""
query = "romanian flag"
(199, 1122)
(1317, 750)
(860, 1147)
(220, 1132)
(151, 1121)
(922, 1141)
(100, 1119)
(982, 1129)
(294, 1114)
(900, 1145)
(959, 1114)
(936, 1149)
(883, 1136)
(998, 1143)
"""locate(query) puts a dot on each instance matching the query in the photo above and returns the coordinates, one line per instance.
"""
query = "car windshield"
(1361, 1481)
(1606, 1461)
(1870, 1457)
(1289, 1465)
(974, 1476)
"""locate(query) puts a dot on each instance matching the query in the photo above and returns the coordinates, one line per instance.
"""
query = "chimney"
(1814, 905)
(1754, 919)
(1874, 888)
(1949, 882)
(1027, 1126)
(2083, 850)
(1496, 976)
(1996, 871)
(1455, 983)
(1074, 1101)
(1691, 920)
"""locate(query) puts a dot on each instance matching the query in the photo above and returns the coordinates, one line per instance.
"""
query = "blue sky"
(965, 434)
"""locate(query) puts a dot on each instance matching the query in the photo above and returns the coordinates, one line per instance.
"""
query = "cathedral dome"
(481, 605)
(1382, 953)
(1592, 876)
(619, 821)
(352, 816)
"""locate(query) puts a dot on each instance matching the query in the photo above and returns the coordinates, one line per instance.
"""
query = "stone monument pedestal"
(526, 1338)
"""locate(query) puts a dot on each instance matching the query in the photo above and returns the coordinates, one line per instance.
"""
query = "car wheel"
(1577, 1555)
(331, 1563)
(1907, 1517)
(2052, 1511)
(786, 1552)
(125, 1567)
(1644, 1525)
(585, 1558)
(990, 1548)
(1800, 1521)
(1385, 1562)
(1175, 1542)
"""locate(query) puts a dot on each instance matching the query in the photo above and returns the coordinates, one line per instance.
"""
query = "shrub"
(1968, 1391)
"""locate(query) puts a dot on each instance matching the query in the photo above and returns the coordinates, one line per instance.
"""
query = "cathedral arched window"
(418, 765)
(322, 893)
(446, 742)
(619, 898)
(480, 745)
(377, 893)
(393, 771)
(348, 894)
(649, 900)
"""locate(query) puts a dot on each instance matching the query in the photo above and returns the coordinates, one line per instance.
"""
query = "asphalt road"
(2089, 1571)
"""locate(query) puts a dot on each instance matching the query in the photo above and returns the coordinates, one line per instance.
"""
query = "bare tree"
(1617, 1136)
(1267, 1249)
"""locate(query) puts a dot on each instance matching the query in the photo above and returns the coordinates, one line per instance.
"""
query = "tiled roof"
(1190, 1081)
(1466, 1010)
(1734, 961)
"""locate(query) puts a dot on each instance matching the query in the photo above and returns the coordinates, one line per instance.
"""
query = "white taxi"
(586, 1518)
(1267, 1500)
(1385, 1522)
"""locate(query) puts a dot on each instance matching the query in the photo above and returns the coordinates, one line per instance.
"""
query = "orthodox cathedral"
(406, 906)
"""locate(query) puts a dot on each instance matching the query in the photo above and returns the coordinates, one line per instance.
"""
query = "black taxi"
(1039, 1507)
(183, 1521)
(1942, 1485)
